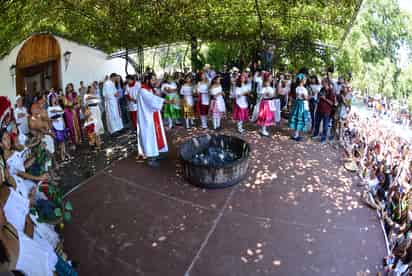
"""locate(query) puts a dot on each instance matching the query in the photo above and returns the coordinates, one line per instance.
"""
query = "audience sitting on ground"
(383, 160)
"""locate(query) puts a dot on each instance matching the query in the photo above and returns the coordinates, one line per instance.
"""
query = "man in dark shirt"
(327, 99)
(28, 99)
(225, 74)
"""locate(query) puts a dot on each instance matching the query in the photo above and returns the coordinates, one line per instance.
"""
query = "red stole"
(156, 119)
(130, 85)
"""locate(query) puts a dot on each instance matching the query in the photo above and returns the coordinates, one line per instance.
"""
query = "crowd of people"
(382, 158)
(45, 128)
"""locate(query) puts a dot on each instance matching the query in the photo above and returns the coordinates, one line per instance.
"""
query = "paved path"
(297, 213)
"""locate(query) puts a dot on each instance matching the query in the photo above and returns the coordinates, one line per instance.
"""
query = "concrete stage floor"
(297, 213)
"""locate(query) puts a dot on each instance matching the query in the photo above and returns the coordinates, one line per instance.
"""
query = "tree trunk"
(184, 57)
(194, 53)
(154, 59)
(167, 56)
(140, 58)
(127, 62)
(395, 81)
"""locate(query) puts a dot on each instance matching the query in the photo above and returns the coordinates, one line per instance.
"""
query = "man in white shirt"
(209, 72)
(110, 94)
(132, 90)
(152, 135)
(21, 116)
(82, 90)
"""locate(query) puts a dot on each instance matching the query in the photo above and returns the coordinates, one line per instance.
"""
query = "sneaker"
(299, 138)
(323, 141)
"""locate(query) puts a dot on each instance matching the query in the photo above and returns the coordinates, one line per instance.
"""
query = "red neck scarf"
(132, 84)
(147, 87)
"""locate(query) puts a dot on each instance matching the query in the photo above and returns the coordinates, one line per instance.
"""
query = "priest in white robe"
(113, 118)
(152, 134)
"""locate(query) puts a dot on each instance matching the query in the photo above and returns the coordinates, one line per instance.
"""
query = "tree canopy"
(120, 24)
(372, 50)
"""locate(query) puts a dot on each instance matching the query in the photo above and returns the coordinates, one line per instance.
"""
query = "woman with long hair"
(172, 108)
(241, 106)
(266, 115)
(217, 105)
(56, 113)
(313, 90)
(92, 102)
(299, 116)
(283, 89)
(71, 106)
(187, 92)
(203, 100)
(324, 110)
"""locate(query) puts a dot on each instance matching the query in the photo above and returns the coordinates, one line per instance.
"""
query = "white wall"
(7, 84)
(86, 64)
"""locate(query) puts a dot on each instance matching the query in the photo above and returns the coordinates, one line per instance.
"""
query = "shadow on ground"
(297, 213)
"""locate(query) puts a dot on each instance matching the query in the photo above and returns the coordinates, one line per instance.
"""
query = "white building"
(45, 61)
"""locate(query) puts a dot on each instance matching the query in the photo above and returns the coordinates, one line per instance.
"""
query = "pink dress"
(241, 106)
(266, 116)
(217, 105)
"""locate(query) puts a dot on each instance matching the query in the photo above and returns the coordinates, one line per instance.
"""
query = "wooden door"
(37, 50)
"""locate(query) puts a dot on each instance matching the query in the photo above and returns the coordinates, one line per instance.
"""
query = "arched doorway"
(38, 65)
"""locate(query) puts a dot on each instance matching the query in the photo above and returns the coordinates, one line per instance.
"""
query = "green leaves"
(371, 51)
(67, 216)
(119, 24)
(68, 206)
(58, 212)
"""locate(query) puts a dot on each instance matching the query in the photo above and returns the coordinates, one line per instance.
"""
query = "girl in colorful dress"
(283, 92)
(71, 115)
(21, 116)
(299, 116)
(91, 129)
(202, 89)
(217, 105)
(172, 109)
(41, 131)
(56, 113)
(187, 92)
(92, 101)
(266, 116)
(241, 108)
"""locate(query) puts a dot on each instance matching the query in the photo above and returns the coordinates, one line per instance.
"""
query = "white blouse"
(35, 259)
(21, 119)
(241, 100)
(187, 92)
(283, 90)
(58, 123)
(15, 165)
(203, 89)
(267, 90)
(220, 101)
(259, 84)
(301, 92)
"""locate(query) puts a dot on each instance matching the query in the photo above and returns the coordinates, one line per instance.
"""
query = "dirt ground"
(296, 213)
